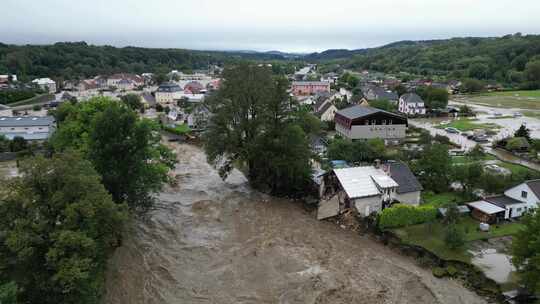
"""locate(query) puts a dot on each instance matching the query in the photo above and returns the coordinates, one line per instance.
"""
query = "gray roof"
(149, 98)
(169, 87)
(324, 108)
(502, 201)
(384, 94)
(319, 101)
(406, 180)
(412, 98)
(357, 111)
(535, 186)
(25, 121)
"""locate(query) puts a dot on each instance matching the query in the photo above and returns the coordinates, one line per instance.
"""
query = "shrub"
(405, 215)
(439, 272)
(454, 237)
(36, 108)
(451, 270)
(178, 130)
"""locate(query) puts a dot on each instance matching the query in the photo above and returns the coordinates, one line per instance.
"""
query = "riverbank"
(210, 241)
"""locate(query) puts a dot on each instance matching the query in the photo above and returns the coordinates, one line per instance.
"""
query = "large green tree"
(434, 167)
(58, 226)
(253, 124)
(526, 252)
(356, 151)
(124, 149)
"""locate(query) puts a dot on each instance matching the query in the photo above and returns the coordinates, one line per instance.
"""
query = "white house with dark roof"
(512, 204)
(27, 127)
(411, 104)
(369, 189)
(361, 122)
(46, 84)
(168, 92)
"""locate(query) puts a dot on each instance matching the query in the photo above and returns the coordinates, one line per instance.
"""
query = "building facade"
(168, 93)
(28, 127)
(360, 122)
(310, 87)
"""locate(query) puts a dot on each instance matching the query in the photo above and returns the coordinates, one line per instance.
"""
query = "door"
(510, 213)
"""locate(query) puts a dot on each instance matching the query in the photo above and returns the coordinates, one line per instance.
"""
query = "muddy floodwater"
(209, 241)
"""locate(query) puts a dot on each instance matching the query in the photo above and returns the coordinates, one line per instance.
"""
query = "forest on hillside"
(508, 59)
(511, 59)
(71, 60)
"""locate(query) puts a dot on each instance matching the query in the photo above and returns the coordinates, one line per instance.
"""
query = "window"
(373, 122)
(524, 194)
(518, 210)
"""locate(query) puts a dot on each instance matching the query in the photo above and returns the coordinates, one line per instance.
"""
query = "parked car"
(518, 114)
(468, 134)
(452, 130)
(496, 114)
(481, 138)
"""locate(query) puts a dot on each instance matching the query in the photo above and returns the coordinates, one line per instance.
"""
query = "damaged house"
(368, 189)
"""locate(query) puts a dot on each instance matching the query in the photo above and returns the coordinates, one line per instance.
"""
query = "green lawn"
(515, 169)
(179, 129)
(502, 117)
(440, 199)
(507, 99)
(34, 100)
(533, 114)
(462, 160)
(468, 124)
(431, 236)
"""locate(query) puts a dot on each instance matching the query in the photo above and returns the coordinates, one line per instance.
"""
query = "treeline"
(70, 60)
(66, 212)
(512, 59)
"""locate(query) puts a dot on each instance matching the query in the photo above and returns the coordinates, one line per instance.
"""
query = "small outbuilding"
(486, 212)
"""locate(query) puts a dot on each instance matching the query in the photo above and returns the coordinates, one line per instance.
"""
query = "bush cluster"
(405, 215)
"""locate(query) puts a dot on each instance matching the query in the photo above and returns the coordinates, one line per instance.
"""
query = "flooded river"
(209, 241)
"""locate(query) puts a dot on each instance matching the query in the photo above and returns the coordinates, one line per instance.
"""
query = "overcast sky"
(287, 25)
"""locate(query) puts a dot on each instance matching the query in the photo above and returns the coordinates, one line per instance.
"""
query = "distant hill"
(503, 58)
(78, 59)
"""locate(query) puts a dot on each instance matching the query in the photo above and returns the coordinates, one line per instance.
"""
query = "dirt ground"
(210, 241)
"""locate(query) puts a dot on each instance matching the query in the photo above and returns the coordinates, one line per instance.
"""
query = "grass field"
(431, 236)
(468, 124)
(178, 130)
(508, 99)
(34, 100)
(440, 199)
(515, 169)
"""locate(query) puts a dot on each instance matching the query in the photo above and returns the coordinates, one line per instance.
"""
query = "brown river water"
(210, 241)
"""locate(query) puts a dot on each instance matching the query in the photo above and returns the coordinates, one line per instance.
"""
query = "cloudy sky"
(287, 25)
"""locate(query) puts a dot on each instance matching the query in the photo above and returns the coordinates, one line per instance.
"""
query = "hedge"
(405, 215)
(178, 130)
